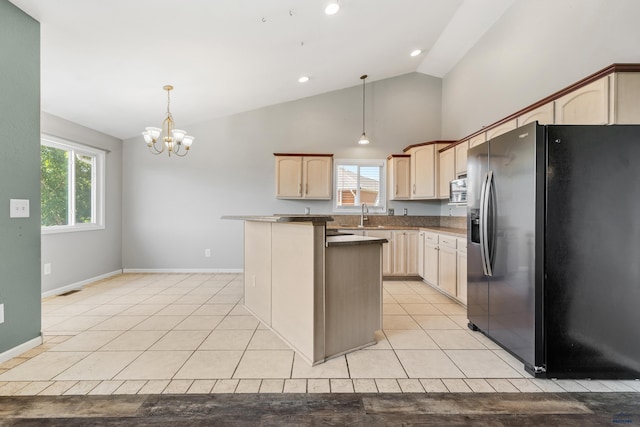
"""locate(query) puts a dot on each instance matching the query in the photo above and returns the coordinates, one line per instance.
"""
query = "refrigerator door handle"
(483, 224)
(490, 223)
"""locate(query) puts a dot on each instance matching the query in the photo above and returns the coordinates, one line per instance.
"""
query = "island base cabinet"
(297, 276)
(353, 297)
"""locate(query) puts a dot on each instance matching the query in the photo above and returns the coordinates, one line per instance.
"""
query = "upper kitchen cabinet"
(624, 93)
(399, 177)
(303, 176)
(447, 171)
(542, 114)
(424, 169)
(461, 158)
(587, 105)
(478, 139)
(500, 129)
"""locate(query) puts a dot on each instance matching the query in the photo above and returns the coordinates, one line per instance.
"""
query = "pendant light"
(363, 139)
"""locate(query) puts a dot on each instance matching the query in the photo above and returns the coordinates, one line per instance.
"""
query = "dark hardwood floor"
(450, 409)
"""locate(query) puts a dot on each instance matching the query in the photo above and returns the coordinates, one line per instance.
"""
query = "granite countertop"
(351, 240)
(282, 218)
(458, 232)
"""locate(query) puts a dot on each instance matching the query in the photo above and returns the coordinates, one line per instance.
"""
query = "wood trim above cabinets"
(427, 143)
(302, 155)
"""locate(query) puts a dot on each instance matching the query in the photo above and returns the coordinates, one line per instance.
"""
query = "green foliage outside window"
(84, 166)
(54, 179)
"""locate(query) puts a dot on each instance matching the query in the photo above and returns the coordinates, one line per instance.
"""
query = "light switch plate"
(1, 313)
(19, 208)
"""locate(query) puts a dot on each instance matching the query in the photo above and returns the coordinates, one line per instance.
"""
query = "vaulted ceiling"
(104, 63)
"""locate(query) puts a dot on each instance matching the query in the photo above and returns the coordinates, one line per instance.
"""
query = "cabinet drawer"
(462, 244)
(430, 238)
(448, 241)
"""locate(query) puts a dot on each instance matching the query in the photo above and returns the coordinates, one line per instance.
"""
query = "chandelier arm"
(154, 148)
(181, 155)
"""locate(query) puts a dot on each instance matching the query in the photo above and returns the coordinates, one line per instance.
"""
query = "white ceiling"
(104, 62)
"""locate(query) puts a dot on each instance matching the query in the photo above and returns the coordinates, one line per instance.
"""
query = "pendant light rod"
(363, 138)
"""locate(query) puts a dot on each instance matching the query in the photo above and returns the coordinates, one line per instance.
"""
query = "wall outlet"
(1, 313)
(47, 269)
(207, 253)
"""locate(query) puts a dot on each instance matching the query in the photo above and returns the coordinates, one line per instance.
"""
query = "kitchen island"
(321, 294)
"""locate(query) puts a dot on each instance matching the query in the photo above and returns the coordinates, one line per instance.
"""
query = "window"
(358, 182)
(71, 186)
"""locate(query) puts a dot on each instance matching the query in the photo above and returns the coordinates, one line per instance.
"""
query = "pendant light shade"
(363, 138)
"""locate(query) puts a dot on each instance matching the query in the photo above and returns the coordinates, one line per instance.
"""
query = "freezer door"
(512, 302)
(477, 281)
(592, 292)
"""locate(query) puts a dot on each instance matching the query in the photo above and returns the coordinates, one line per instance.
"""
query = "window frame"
(382, 164)
(97, 187)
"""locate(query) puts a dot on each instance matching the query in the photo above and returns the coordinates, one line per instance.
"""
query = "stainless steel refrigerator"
(554, 248)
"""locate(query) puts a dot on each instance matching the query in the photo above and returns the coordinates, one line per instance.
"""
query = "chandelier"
(173, 139)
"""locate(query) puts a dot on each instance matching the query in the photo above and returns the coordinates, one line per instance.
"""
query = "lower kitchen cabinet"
(447, 259)
(405, 253)
(444, 263)
(461, 281)
(387, 249)
(431, 258)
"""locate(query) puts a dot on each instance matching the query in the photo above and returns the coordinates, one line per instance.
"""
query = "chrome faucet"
(363, 210)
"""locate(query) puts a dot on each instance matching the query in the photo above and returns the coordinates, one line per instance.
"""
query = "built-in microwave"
(458, 192)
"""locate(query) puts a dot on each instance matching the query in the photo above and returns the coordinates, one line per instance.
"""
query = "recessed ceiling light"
(303, 79)
(332, 8)
(416, 52)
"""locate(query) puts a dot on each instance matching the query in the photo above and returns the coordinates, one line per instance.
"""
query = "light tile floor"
(189, 333)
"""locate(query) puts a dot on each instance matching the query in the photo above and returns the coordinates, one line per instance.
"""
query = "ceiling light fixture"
(303, 79)
(416, 52)
(173, 139)
(363, 139)
(332, 8)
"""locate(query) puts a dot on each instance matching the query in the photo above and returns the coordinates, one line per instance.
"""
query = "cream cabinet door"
(461, 158)
(625, 92)
(421, 254)
(461, 278)
(387, 249)
(447, 171)
(431, 258)
(447, 270)
(423, 172)
(399, 177)
(289, 177)
(588, 105)
(501, 129)
(412, 252)
(543, 114)
(405, 253)
(316, 177)
(478, 139)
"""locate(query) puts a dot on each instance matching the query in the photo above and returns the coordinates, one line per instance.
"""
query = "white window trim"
(97, 191)
(382, 163)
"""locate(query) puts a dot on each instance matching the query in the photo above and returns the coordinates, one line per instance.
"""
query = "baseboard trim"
(79, 285)
(183, 270)
(18, 350)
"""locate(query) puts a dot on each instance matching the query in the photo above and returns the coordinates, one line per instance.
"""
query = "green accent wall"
(19, 176)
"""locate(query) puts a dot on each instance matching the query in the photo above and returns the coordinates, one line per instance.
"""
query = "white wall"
(538, 47)
(77, 257)
(172, 206)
